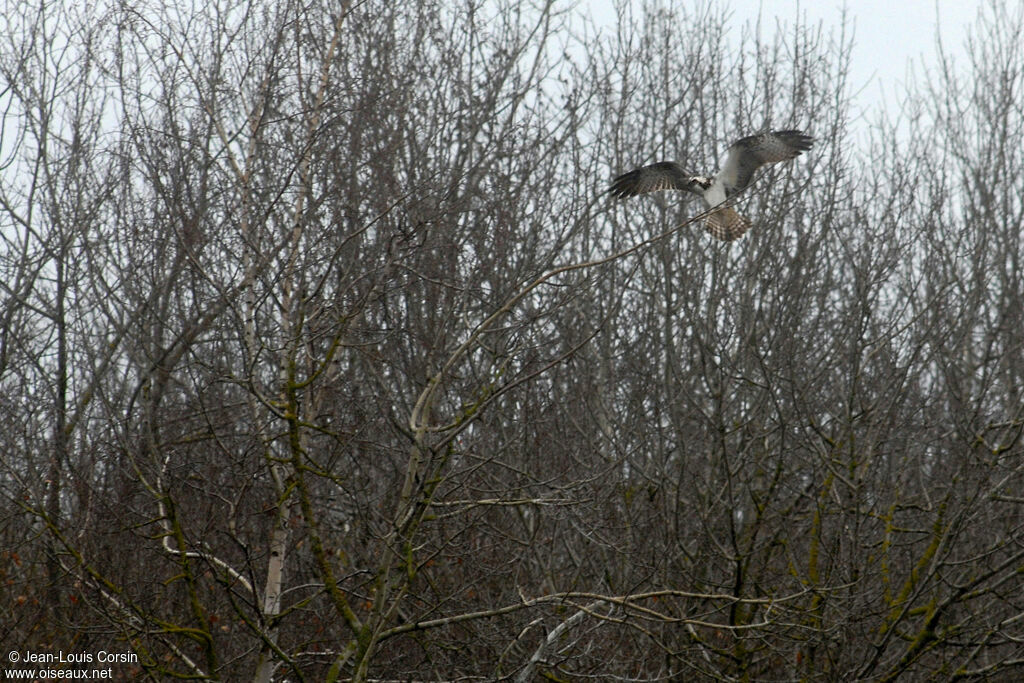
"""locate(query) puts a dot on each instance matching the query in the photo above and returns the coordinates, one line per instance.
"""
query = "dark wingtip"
(797, 138)
(619, 189)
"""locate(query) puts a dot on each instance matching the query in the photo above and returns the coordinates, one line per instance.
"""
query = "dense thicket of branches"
(323, 356)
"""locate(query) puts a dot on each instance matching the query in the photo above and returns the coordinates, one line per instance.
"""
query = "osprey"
(744, 157)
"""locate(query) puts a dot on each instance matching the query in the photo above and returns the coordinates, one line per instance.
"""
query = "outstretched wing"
(664, 175)
(748, 154)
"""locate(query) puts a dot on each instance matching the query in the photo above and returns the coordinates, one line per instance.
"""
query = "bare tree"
(325, 357)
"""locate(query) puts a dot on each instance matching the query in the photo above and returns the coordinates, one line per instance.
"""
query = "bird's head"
(701, 182)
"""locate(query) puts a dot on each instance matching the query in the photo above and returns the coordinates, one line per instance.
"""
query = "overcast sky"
(888, 34)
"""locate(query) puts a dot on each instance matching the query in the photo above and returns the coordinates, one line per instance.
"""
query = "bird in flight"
(742, 160)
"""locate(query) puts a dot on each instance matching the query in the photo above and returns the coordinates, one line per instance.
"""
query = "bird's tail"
(725, 224)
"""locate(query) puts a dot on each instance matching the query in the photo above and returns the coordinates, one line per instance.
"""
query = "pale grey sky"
(888, 34)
